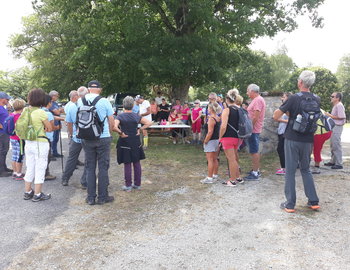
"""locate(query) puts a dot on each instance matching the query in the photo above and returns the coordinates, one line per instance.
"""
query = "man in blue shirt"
(56, 111)
(4, 138)
(98, 150)
(74, 142)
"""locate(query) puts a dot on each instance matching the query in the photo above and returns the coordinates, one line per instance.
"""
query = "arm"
(277, 114)
(111, 123)
(147, 112)
(255, 117)
(118, 130)
(47, 125)
(70, 129)
(145, 122)
(211, 124)
(224, 120)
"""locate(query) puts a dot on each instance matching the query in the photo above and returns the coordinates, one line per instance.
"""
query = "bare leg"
(256, 161)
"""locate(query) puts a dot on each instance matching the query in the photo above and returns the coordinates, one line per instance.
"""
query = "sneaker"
(337, 167)
(105, 200)
(207, 180)
(329, 164)
(316, 170)
(58, 155)
(136, 187)
(251, 171)
(230, 184)
(90, 201)
(252, 177)
(28, 196)
(64, 182)
(281, 172)
(239, 180)
(18, 178)
(215, 177)
(50, 177)
(41, 197)
(313, 206)
(174, 142)
(127, 188)
(288, 210)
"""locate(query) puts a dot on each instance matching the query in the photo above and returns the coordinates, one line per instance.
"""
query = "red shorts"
(229, 143)
(196, 127)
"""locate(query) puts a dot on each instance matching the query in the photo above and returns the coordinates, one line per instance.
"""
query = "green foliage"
(343, 76)
(128, 45)
(16, 83)
(282, 67)
(326, 83)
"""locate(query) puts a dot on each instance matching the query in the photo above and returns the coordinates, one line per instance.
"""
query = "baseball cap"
(94, 84)
(138, 97)
(3, 95)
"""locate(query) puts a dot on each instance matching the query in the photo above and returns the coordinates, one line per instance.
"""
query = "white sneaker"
(207, 181)
(215, 177)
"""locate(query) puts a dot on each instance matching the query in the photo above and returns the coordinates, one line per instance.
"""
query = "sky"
(306, 45)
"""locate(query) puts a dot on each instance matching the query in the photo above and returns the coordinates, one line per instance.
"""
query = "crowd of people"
(219, 125)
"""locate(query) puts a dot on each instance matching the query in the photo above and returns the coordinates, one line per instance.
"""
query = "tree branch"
(162, 14)
(220, 5)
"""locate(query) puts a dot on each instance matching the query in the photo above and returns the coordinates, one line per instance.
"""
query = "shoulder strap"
(96, 100)
(84, 101)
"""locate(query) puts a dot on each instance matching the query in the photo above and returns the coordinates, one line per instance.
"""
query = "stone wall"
(268, 137)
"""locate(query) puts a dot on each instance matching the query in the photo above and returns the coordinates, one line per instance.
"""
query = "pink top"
(177, 107)
(15, 118)
(339, 111)
(196, 112)
(257, 104)
(184, 113)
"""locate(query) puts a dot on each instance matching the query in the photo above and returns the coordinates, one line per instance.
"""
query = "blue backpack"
(9, 125)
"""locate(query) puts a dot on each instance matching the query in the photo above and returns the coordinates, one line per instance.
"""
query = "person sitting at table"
(129, 148)
(163, 111)
(173, 120)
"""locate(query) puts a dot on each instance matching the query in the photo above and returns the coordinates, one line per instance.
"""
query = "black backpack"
(309, 113)
(245, 125)
(88, 123)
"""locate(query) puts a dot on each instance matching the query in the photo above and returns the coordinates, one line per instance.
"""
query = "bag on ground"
(9, 125)
(88, 123)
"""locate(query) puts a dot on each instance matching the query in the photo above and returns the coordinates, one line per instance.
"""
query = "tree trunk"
(179, 92)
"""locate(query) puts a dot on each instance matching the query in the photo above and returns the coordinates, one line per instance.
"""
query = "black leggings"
(280, 150)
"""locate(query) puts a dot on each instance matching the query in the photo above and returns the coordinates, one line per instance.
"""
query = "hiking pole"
(61, 147)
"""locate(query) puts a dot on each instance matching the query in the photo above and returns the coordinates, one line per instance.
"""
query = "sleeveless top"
(233, 118)
(215, 135)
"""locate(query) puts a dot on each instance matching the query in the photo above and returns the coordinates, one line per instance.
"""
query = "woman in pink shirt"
(196, 122)
(185, 113)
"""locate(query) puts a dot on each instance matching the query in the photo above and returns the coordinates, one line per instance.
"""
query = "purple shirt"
(3, 115)
(339, 111)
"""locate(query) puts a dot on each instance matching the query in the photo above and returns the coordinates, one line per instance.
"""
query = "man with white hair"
(75, 146)
(298, 145)
(56, 111)
(256, 112)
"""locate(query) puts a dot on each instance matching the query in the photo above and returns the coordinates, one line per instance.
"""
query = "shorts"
(196, 127)
(253, 143)
(211, 146)
(230, 142)
(16, 151)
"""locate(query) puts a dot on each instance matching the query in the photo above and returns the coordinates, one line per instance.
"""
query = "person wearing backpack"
(96, 141)
(4, 137)
(303, 109)
(256, 111)
(31, 127)
(17, 157)
(228, 137)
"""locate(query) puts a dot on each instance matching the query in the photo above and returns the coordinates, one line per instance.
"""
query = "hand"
(123, 135)
(138, 132)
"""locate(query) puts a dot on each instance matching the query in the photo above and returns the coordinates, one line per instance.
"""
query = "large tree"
(343, 75)
(130, 44)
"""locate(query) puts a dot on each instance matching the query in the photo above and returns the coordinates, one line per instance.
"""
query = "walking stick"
(61, 150)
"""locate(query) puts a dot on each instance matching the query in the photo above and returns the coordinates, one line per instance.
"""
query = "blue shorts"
(16, 151)
(253, 143)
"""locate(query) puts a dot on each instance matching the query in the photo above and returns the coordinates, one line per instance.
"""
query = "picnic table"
(164, 129)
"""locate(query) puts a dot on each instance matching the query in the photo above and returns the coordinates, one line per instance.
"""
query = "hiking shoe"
(288, 210)
(28, 195)
(280, 172)
(105, 200)
(64, 182)
(337, 167)
(329, 164)
(313, 206)
(215, 177)
(127, 188)
(90, 201)
(230, 184)
(251, 171)
(239, 180)
(136, 187)
(252, 177)
(5, 174)
(316, 170)
(50, 177)
(207, 180)
(41, 197)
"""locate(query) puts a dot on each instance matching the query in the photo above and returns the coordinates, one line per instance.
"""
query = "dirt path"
(175, 222)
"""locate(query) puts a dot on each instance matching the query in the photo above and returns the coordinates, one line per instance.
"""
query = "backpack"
(245, 124)
(9, 125)
(24, 128)
(327, 122)
(88, 123)
(309, 113)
